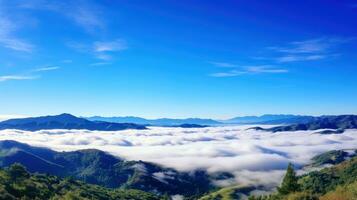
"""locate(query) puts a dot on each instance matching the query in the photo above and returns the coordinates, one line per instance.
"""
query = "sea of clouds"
(255, 157)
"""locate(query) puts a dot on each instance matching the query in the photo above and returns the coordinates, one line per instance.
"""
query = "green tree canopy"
(290, 181)
(18, 172)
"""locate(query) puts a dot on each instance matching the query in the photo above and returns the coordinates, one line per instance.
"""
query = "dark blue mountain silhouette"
(64, 121)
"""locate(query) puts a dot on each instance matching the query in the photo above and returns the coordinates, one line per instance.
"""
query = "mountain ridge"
(64, 121)
(263, 119)
(334, 122)
(157, 122)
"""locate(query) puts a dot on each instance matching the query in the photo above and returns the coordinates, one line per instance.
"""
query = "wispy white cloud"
(16, 77)
(103, 56)
(84, 13)
(223, 64)
(309, 46)
(87, 17)
(16, 44)
(251, 70)
(110, 46)
(265, 69)
(8, 39)
(308, 50)
(231, 73)
(102, 50)
(47, 68)
(100, 63)
(294, 58)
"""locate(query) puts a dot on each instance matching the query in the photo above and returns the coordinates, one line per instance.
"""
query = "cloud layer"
(251, 155)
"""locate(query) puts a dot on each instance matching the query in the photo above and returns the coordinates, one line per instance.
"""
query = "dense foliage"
(17, 183)
(334, 183)
(331, 157)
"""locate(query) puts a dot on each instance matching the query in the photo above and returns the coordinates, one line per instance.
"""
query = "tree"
(18, 172)
(290, 181)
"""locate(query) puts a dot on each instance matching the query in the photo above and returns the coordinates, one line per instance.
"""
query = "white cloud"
(47, 68)
(294, 58)
(265, 69)
(317, 45)
(8, 38)
(231, 73)
(223, 64)
(102, 50)
(100, 63)
(251, 70)
(109, 46)
(84, 13)
(252, 156)
(309, 50)
(16, 77)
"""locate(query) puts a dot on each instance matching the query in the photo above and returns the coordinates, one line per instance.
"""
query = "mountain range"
(332, 124)
(64, 121)
(270, 119)
(156, 122)
(336, 123)
(264, 119)
(97, 167)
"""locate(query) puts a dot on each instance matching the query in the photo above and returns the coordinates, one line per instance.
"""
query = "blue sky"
(194, 58)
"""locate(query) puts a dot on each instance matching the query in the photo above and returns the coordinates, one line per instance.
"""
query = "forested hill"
(97, 167)
(16, 183)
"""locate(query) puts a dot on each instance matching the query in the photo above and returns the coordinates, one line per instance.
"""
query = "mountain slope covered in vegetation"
(97, 167)
(17, 183)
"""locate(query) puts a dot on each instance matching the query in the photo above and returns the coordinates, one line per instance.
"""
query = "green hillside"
(333, 183)
(98, 167)
(17, 183)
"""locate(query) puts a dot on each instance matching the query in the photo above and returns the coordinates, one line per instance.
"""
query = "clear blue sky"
(190, 58)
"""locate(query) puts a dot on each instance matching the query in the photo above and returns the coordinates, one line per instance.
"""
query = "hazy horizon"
(5, 117)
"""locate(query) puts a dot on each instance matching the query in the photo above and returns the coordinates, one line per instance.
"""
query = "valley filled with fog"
(254, 157)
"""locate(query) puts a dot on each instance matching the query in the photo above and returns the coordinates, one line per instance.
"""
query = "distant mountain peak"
(66, 115)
